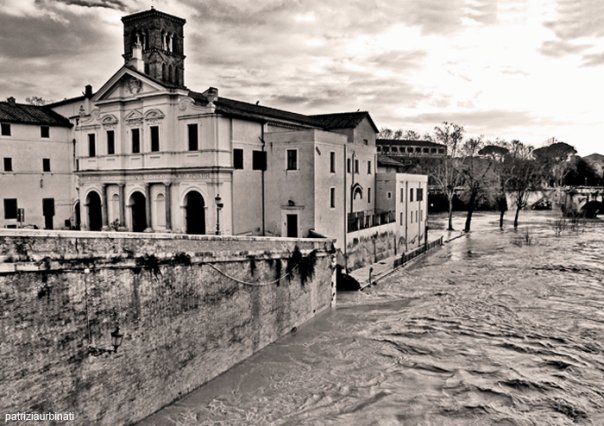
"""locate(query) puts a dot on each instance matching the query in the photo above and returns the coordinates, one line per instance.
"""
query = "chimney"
(87, 107)
(137, 57)
(11, 100)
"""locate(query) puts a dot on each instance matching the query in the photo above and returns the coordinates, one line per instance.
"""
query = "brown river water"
(494, 328)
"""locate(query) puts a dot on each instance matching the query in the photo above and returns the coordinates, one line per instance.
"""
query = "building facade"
(37, 184)
(150, 155)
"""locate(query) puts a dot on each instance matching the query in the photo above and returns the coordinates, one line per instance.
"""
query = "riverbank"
(493, 328)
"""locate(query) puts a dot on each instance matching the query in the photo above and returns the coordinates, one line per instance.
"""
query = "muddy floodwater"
(494, 328)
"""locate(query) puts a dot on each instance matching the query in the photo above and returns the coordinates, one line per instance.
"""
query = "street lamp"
(219, 206)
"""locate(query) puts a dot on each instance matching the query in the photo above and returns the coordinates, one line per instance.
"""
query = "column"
(122, 193)
(148, 207)
(105, 210)
(168, 198)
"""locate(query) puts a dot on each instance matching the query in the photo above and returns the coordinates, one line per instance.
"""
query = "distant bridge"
(585, 201)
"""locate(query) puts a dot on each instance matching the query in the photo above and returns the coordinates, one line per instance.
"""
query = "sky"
(508, 69)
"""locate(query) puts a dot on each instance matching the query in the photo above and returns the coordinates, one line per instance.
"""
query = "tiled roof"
(232, 107)
(343, 120)
(406, 142)
(386, 161)
(66, 101)
(31, 114)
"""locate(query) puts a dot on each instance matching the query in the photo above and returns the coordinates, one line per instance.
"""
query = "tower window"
(46, 164)
(332, 162)
(258, 160)
(292, 159)
(5, 129)
(10, 208)
(44, 131)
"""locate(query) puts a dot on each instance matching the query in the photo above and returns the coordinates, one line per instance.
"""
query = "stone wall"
(371, 245)
(189, 307)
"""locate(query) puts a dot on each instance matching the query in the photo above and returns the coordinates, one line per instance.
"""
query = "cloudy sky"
(513, 69)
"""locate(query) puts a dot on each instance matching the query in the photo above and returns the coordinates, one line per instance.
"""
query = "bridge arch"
(592, 208)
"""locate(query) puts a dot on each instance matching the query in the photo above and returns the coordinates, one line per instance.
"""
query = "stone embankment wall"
(189, 308)
(371, 245)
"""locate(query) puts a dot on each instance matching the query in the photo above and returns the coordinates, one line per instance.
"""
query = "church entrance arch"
(195, 213)
(95, 214)
(139, 212)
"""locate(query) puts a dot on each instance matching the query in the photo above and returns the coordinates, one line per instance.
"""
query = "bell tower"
(159, 39)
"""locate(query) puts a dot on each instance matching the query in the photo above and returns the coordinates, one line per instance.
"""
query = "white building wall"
(28, 183)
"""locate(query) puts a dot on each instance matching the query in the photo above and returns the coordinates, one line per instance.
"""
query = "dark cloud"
(592, 60)
(109, 4)
(561, 48)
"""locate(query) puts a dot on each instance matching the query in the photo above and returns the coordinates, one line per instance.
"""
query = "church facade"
(151, 155)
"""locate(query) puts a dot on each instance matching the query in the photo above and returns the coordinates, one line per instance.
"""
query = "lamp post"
(219, 206)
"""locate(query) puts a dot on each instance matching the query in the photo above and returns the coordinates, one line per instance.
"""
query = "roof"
(66, 101)
(343, 120)
(386, 161)
(31, 114)
(408, 142)
(154, 13)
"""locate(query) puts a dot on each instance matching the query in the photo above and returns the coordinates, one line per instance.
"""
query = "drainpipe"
(345, 215)
(262, 175)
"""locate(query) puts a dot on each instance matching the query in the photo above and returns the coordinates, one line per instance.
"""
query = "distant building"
(36, 173)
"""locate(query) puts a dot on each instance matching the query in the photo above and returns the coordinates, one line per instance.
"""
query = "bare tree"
(446, 174)
(498, 155)
(35, 100)
(526, 176)
(474, 171)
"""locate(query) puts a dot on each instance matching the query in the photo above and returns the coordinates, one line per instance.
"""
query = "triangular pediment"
(133, 116)
(128, 84)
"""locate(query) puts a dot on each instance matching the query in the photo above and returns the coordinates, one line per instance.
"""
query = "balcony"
(369, 219)
(147, 160)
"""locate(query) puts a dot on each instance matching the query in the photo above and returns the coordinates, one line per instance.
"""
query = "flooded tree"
(446, 174)
(525, 175)
(474, 171)
(497, 154)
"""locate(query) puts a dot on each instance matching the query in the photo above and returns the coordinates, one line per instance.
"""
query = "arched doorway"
(139, 212)
(195, 213)
(95, 215)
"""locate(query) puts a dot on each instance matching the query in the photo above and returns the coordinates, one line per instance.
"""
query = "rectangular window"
(348, 163)
(44, 131)
(365, 141)
(91, 145)
(258, 160)
(411, 195)
(332, 162)
(356, 166)
(368, 167)
(369, 195)
(292, 159)
(154, 138)
(46, 164)
(238, 159)
(411, 217)
(193, 137)
(10, 208)
(402, 195)
(420, 194)
(110, 142)
(389, 195)
(5, 129)
(402, 219)
(332, 198)
(136, 141)
(8, 164)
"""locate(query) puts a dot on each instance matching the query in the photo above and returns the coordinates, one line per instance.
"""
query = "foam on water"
(501, 328)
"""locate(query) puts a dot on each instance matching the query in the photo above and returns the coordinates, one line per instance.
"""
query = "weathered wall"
(183, 322)
(370, 245)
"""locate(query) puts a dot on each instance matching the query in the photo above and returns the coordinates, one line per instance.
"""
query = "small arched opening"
(139, 212)
(95, 214)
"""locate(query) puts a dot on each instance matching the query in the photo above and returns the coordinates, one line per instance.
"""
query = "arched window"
(171, 73)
